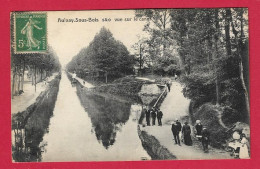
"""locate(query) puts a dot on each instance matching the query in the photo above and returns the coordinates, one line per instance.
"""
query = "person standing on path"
(175, 77)
(205, 139)
(153, 114)
(186, 131)
(168, 86)
(147, 116)
(178, 127)
(140, 121)
(198, 128)
(159, 117)
(175, 132)
(243, 153)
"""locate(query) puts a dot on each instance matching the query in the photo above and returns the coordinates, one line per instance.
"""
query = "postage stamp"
(30, 32)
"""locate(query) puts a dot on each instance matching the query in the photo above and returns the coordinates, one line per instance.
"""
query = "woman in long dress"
(186, 131)
(28, 30)
(243, 153)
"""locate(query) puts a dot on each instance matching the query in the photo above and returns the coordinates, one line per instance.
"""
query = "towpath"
(175, 106)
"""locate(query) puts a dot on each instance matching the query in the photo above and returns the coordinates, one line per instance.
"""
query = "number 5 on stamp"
(30, 32)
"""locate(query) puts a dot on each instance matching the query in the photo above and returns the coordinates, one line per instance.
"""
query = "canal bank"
(153, 146)
(29, 126)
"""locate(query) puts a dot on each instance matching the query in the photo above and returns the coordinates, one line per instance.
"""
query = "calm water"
(90, 128)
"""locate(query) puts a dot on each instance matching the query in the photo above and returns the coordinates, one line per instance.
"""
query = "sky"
(67, 38)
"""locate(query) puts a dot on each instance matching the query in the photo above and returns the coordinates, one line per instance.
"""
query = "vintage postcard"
(130, 85)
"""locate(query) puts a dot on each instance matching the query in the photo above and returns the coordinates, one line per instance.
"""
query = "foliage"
(212, 46)
(167, 66)
(103, 55)
(160, 44)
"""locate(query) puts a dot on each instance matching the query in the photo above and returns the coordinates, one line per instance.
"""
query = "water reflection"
(107, 116)
(29, 127)
(26, 139)
(83, 128)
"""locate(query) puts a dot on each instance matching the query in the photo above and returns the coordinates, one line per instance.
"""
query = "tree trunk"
(140, 64)
(19, 77)
(106, 77)
(244, 86)
(241, 63)
(23, 74)
(14, 72)
(32, 74)
(216, 37)
(35, 78)
(227, 31)
(19, 82)
(41, 74)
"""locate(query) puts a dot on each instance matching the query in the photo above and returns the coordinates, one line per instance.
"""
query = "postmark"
(30, 32)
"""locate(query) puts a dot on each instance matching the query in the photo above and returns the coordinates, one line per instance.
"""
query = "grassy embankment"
(123, 89)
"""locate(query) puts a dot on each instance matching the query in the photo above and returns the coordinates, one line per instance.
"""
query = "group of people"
(152, 113)
(185, 131)
(240, 145)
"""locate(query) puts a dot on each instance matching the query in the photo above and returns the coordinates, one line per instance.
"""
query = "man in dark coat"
(205, 139)
(186, 131)
(159, 117)
(175, 132)
(147, 116)
(178, 125)
(169, 86)
(140, 121)
(153, 114)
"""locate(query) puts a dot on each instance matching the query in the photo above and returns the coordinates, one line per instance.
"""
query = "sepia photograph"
(130, 85)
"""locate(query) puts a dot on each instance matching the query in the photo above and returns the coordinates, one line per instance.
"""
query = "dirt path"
(183, 152)
(84, 83)
(23, 101)
(175, 106)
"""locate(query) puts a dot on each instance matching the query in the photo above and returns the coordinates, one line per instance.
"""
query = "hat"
(197, 121)
(236, 135)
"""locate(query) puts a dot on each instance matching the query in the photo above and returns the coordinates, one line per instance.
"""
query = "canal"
(91, 128)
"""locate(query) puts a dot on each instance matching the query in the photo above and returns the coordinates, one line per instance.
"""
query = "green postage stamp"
(30, 32)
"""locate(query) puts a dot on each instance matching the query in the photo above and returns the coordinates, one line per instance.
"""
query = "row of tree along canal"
(29, 126)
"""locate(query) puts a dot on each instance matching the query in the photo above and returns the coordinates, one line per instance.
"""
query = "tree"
(104, 55)
(158, 26)
(141, 52)
(213, 51)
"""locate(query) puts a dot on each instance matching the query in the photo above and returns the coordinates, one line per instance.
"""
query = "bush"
(208, 114)
(230, 116)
